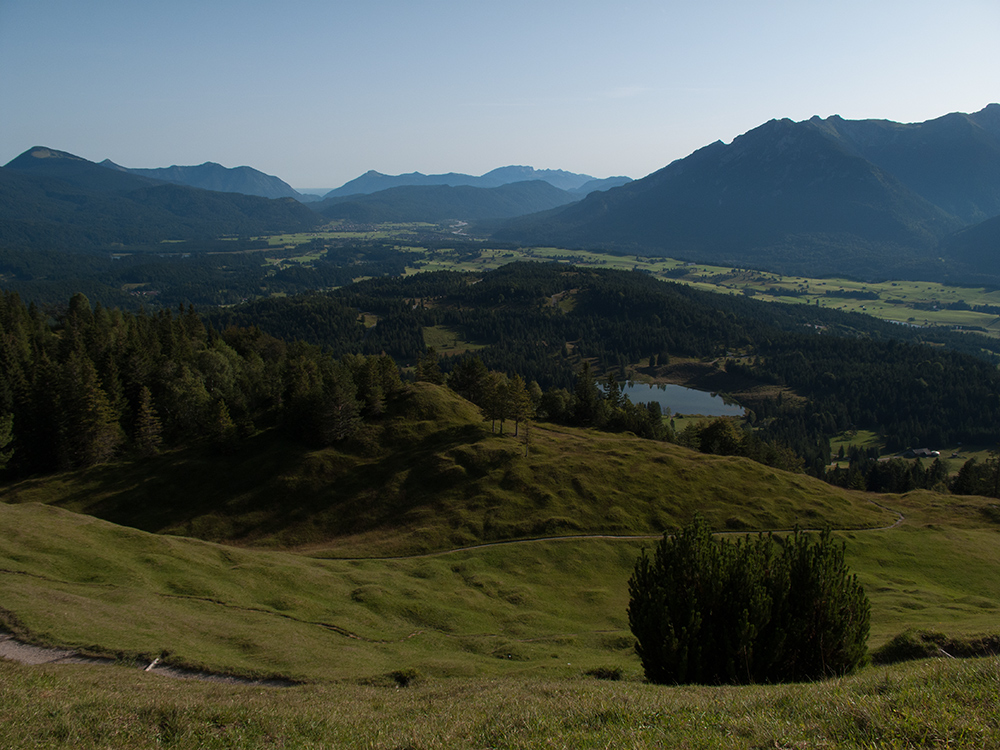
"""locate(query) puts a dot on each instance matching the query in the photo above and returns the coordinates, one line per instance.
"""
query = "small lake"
(681, 400)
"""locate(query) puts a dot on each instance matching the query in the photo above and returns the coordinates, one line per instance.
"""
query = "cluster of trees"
(509, 398)
(501, 398)
(866, 472)
(710, 611)
(979, 478)
(84, 385)
(725, 437)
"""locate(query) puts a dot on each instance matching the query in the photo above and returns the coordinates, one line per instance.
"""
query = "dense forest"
(845, 371)
(88, 385)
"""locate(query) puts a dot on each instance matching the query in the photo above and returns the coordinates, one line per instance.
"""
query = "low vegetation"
(939, 703)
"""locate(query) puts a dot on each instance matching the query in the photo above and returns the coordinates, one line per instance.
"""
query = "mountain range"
(862, 198)
(577, 184)
(212, 176)
(822, 196)
(55, 200)
(409, 203)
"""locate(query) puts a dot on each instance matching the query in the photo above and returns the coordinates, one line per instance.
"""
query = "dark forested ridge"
(867, 199)
(86, 385)
(212, 176)
(203, 273)
(54, 200)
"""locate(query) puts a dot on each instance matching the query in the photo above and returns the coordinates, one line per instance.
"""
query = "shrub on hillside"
(761, 609)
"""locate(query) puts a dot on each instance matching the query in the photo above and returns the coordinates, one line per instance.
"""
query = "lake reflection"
(681, 400)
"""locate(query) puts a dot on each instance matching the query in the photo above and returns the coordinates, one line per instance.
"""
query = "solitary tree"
(706, 610)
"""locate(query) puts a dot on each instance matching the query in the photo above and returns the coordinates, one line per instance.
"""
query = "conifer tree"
(89, 432)
(707, 610)
(146, 427)
(519, 406)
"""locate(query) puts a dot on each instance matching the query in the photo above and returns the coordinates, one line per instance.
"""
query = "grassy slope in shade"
(431, 476)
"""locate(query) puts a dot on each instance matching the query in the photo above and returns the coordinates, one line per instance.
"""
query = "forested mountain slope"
(542, 321)
(212, 176)
(820, 197)
(54, 200)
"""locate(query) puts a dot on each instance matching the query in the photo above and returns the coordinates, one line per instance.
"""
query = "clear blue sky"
(318, 92)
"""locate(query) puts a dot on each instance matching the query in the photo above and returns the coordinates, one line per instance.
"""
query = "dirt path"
(25, 653)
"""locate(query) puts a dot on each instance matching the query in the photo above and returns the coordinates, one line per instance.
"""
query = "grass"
(449, 341)
(432, 476)
(540, 607)
(924, 704)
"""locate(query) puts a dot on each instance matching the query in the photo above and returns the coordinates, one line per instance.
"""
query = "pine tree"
(222, 430)
(519, 406)
(587, 402)
(146, 427)
(707, 610)
(89, 433)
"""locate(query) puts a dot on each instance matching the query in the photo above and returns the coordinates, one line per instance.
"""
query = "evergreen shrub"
(766, 609)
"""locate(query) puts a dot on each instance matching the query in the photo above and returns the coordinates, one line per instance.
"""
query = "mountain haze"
(212, 176)
(442, 202)
(372, 181)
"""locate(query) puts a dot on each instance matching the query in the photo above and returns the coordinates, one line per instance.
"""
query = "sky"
(319, 92)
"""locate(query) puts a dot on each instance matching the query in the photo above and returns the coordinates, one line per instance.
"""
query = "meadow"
(497, 646)
(918, 303)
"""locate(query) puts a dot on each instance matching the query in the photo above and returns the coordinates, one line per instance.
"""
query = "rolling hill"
(352, 571)
(431, 476)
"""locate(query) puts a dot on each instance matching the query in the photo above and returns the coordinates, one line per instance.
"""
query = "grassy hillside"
(432, 476)
(553, 607)
(500, 639)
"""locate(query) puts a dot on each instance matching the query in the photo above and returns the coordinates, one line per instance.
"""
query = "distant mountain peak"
(211, 175)
(373, 181)
(44, 152)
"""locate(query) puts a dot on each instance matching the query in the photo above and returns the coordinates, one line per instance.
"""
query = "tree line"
(83, 385)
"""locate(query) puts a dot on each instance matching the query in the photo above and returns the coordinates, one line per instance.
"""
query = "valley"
(386, 459)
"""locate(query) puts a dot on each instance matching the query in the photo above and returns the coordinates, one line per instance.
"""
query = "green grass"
(449, 341)
(498, 638)
(431, 476)
(535, 607)
(925, 704)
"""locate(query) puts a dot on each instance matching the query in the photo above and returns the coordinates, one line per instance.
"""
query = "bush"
(708, 611)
